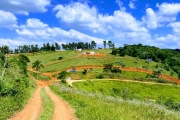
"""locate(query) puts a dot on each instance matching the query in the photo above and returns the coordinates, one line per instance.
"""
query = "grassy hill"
(112, 99)
(72, 58)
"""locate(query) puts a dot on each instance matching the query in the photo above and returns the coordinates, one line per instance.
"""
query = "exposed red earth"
(33, 109)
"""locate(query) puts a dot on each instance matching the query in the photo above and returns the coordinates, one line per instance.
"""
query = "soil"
(32, 111)
(62, 110)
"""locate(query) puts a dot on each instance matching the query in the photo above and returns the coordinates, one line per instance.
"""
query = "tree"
(62, 75)
(109, 44)
(22, 62)
(121, 63)
(57, 47)
(104, 43)
(37, 65)
(93, 44)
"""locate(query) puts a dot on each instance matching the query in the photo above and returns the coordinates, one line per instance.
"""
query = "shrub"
(84, 72)
(60, 58)
(101, 76)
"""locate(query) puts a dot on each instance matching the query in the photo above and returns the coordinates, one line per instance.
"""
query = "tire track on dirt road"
(32, 110)
(62, 111)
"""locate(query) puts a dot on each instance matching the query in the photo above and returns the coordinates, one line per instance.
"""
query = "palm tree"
(37, 65)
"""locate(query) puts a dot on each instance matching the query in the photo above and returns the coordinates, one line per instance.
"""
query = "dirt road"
(62, 110)
(32, 111)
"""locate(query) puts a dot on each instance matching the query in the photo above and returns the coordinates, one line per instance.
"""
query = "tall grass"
(93, 106)
(136, 90)
(48, 106)
(11, 104)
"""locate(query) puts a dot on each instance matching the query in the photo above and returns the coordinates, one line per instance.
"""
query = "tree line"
(169, 58)
(52, 47)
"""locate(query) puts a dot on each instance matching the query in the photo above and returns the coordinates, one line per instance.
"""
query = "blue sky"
(149, 22)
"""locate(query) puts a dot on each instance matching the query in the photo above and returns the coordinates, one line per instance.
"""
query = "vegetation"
(48, 107)
(15, 85)
(94, 106)
(37, 65)
(168, 58)
(163, 94)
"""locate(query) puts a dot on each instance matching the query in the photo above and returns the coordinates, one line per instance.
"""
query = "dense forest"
(168, 58)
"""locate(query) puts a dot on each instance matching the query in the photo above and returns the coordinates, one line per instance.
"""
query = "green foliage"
(62, 75)
(93, 106)
(108, 67)
(169, 58)
(100, 76)
(48, 106)
(129, 90)
(84, 72)
(60, 58)
(37, 65)
(115, 70)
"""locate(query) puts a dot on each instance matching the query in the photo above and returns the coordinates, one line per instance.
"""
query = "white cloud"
(176, 27)
(24, 6)
(169, 9)
(79, 14)
(169, 41)
(150, 19)
(34, 23)
(47, 34)
(166, 13)
(119, 27)
(7, 19)
(132, 5)
(120, 4)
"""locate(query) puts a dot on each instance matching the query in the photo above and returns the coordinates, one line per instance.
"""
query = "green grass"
(69, 60)
(93, 106)
(47, 57)
(136, 90)
(12, 104)
(48, 107)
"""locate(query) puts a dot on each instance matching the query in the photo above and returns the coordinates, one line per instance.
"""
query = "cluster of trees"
(73, 45)
(169, 58)
(109, 43)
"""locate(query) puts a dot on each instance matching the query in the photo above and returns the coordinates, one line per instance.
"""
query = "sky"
(149, 22)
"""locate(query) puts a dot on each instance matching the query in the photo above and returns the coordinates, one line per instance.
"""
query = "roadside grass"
(48, 107)
(140, 91)
(94, 106)
(9, 105)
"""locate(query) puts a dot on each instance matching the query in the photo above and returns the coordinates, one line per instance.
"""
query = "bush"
(60, 58)
(101, 76)
(116, 70)
(84, 72)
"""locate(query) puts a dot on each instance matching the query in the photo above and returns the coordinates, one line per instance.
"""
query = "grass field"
(93, 106)
(139, 91)
(69, 60)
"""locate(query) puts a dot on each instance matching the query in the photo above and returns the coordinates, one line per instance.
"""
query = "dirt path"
(152, 83)
(62, 110)
(32, 110)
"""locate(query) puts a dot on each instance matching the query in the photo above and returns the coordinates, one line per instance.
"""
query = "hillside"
(115, 83)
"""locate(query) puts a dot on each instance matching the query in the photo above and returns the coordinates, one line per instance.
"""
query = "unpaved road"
(62, 110)
(32, 111)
